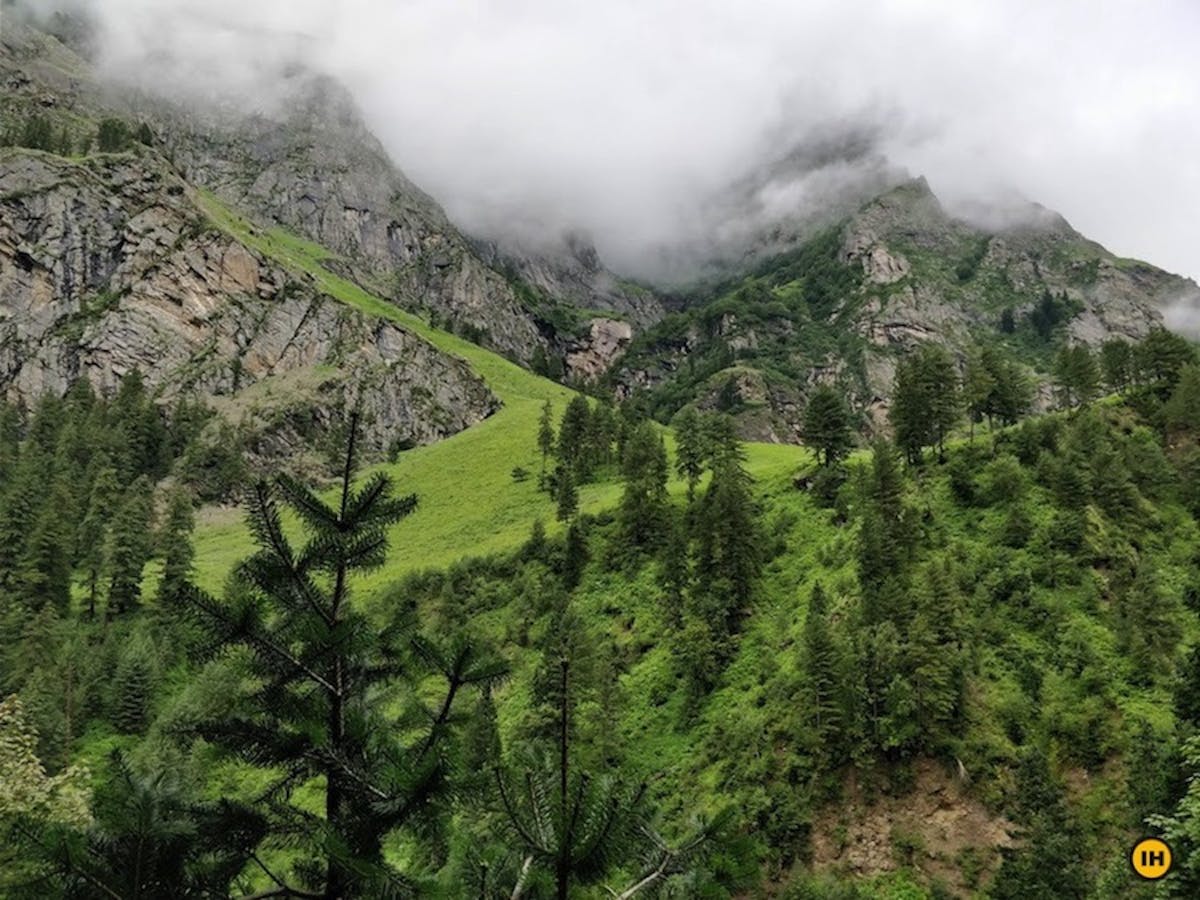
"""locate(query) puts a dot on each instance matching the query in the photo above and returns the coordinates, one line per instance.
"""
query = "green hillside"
(469, 503)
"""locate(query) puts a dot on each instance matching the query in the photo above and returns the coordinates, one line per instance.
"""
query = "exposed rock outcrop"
(106, 266)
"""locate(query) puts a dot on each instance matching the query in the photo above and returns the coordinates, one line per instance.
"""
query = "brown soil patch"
(938, 829)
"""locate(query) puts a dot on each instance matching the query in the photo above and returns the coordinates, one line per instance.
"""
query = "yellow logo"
(1151, 858)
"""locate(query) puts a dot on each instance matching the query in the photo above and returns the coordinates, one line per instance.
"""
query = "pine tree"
(129, 548)
(322, 665)
(575, 556)
(545, 439)
(924, 401)
(44, 570)
(643, 504)
(1050, 860)
(690, 449)
(133, 686)
(1182, 410)
(573, 450)
(676, 574)
(827, 425)
(1077, 376)
(821, 672)
(979, 386)
(1116, 364)
(578, 827)
(92, 539)
(175, 546)
(1159, 358)
(565, 494)
(728, 544)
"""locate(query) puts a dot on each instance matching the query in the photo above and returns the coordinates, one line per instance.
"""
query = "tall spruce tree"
(1077, 376)
(545, 439)
(925, 401)
(129, 547)
(827, 425)
(690, 449)
(319, 666)
(175, 546)
(643, 508)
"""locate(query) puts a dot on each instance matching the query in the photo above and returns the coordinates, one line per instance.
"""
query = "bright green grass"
(469, 504)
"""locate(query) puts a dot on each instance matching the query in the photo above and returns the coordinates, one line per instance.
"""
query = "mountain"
(535, 643)
(842, 306)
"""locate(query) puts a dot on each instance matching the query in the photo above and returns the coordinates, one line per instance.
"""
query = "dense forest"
(674, 697)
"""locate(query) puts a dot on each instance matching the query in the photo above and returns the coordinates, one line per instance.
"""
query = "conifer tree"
(575, 556)
(690, 449)
(821, 670)
(320, 665)
(1159, 358)
(92, 539)
(728, 543)
(1182, 410)
(644, 500)
(1077, 376)
(676, 574)
(573, 449)
(979, 386)
(566, 495)
(1050, 859)
(578, 827)
(175, 546)
(133, 685)
(1116, 364)
(545, 439)
(129, 547)
(44, 571)
(827, 425)
(924, 401)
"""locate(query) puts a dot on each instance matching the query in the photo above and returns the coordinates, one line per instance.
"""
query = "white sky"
(625, 117)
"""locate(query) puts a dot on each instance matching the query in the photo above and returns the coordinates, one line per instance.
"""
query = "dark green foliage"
(1182, 411)
(151, 839)
(1160, 357)
(925, 401)
(545, 436)
(573, 448)
(691, 449)
(1049, 863)
(1077, 376)
(133, 685)
(1050, 312)
(566, 495)
(643, 509)
(175, 546)
(129, 547)
(114, 136)
(319, 663)
(1116, 364)
(827, 425)
(822, 669)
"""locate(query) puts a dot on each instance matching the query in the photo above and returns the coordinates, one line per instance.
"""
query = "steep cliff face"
(315, 169)
(107, 266)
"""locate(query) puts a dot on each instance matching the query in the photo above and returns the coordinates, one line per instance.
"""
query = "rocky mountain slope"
(844, 305)
(107, 266)
(838, 304)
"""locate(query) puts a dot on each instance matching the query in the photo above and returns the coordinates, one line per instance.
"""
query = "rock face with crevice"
(107, 266)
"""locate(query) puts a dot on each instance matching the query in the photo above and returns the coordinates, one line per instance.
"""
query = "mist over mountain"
(636, 122)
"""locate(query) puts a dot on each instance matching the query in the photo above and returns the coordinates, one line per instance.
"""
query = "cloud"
(1183, 314)
(634, 119)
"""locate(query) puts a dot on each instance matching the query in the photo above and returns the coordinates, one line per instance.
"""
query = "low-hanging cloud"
(633, 120)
